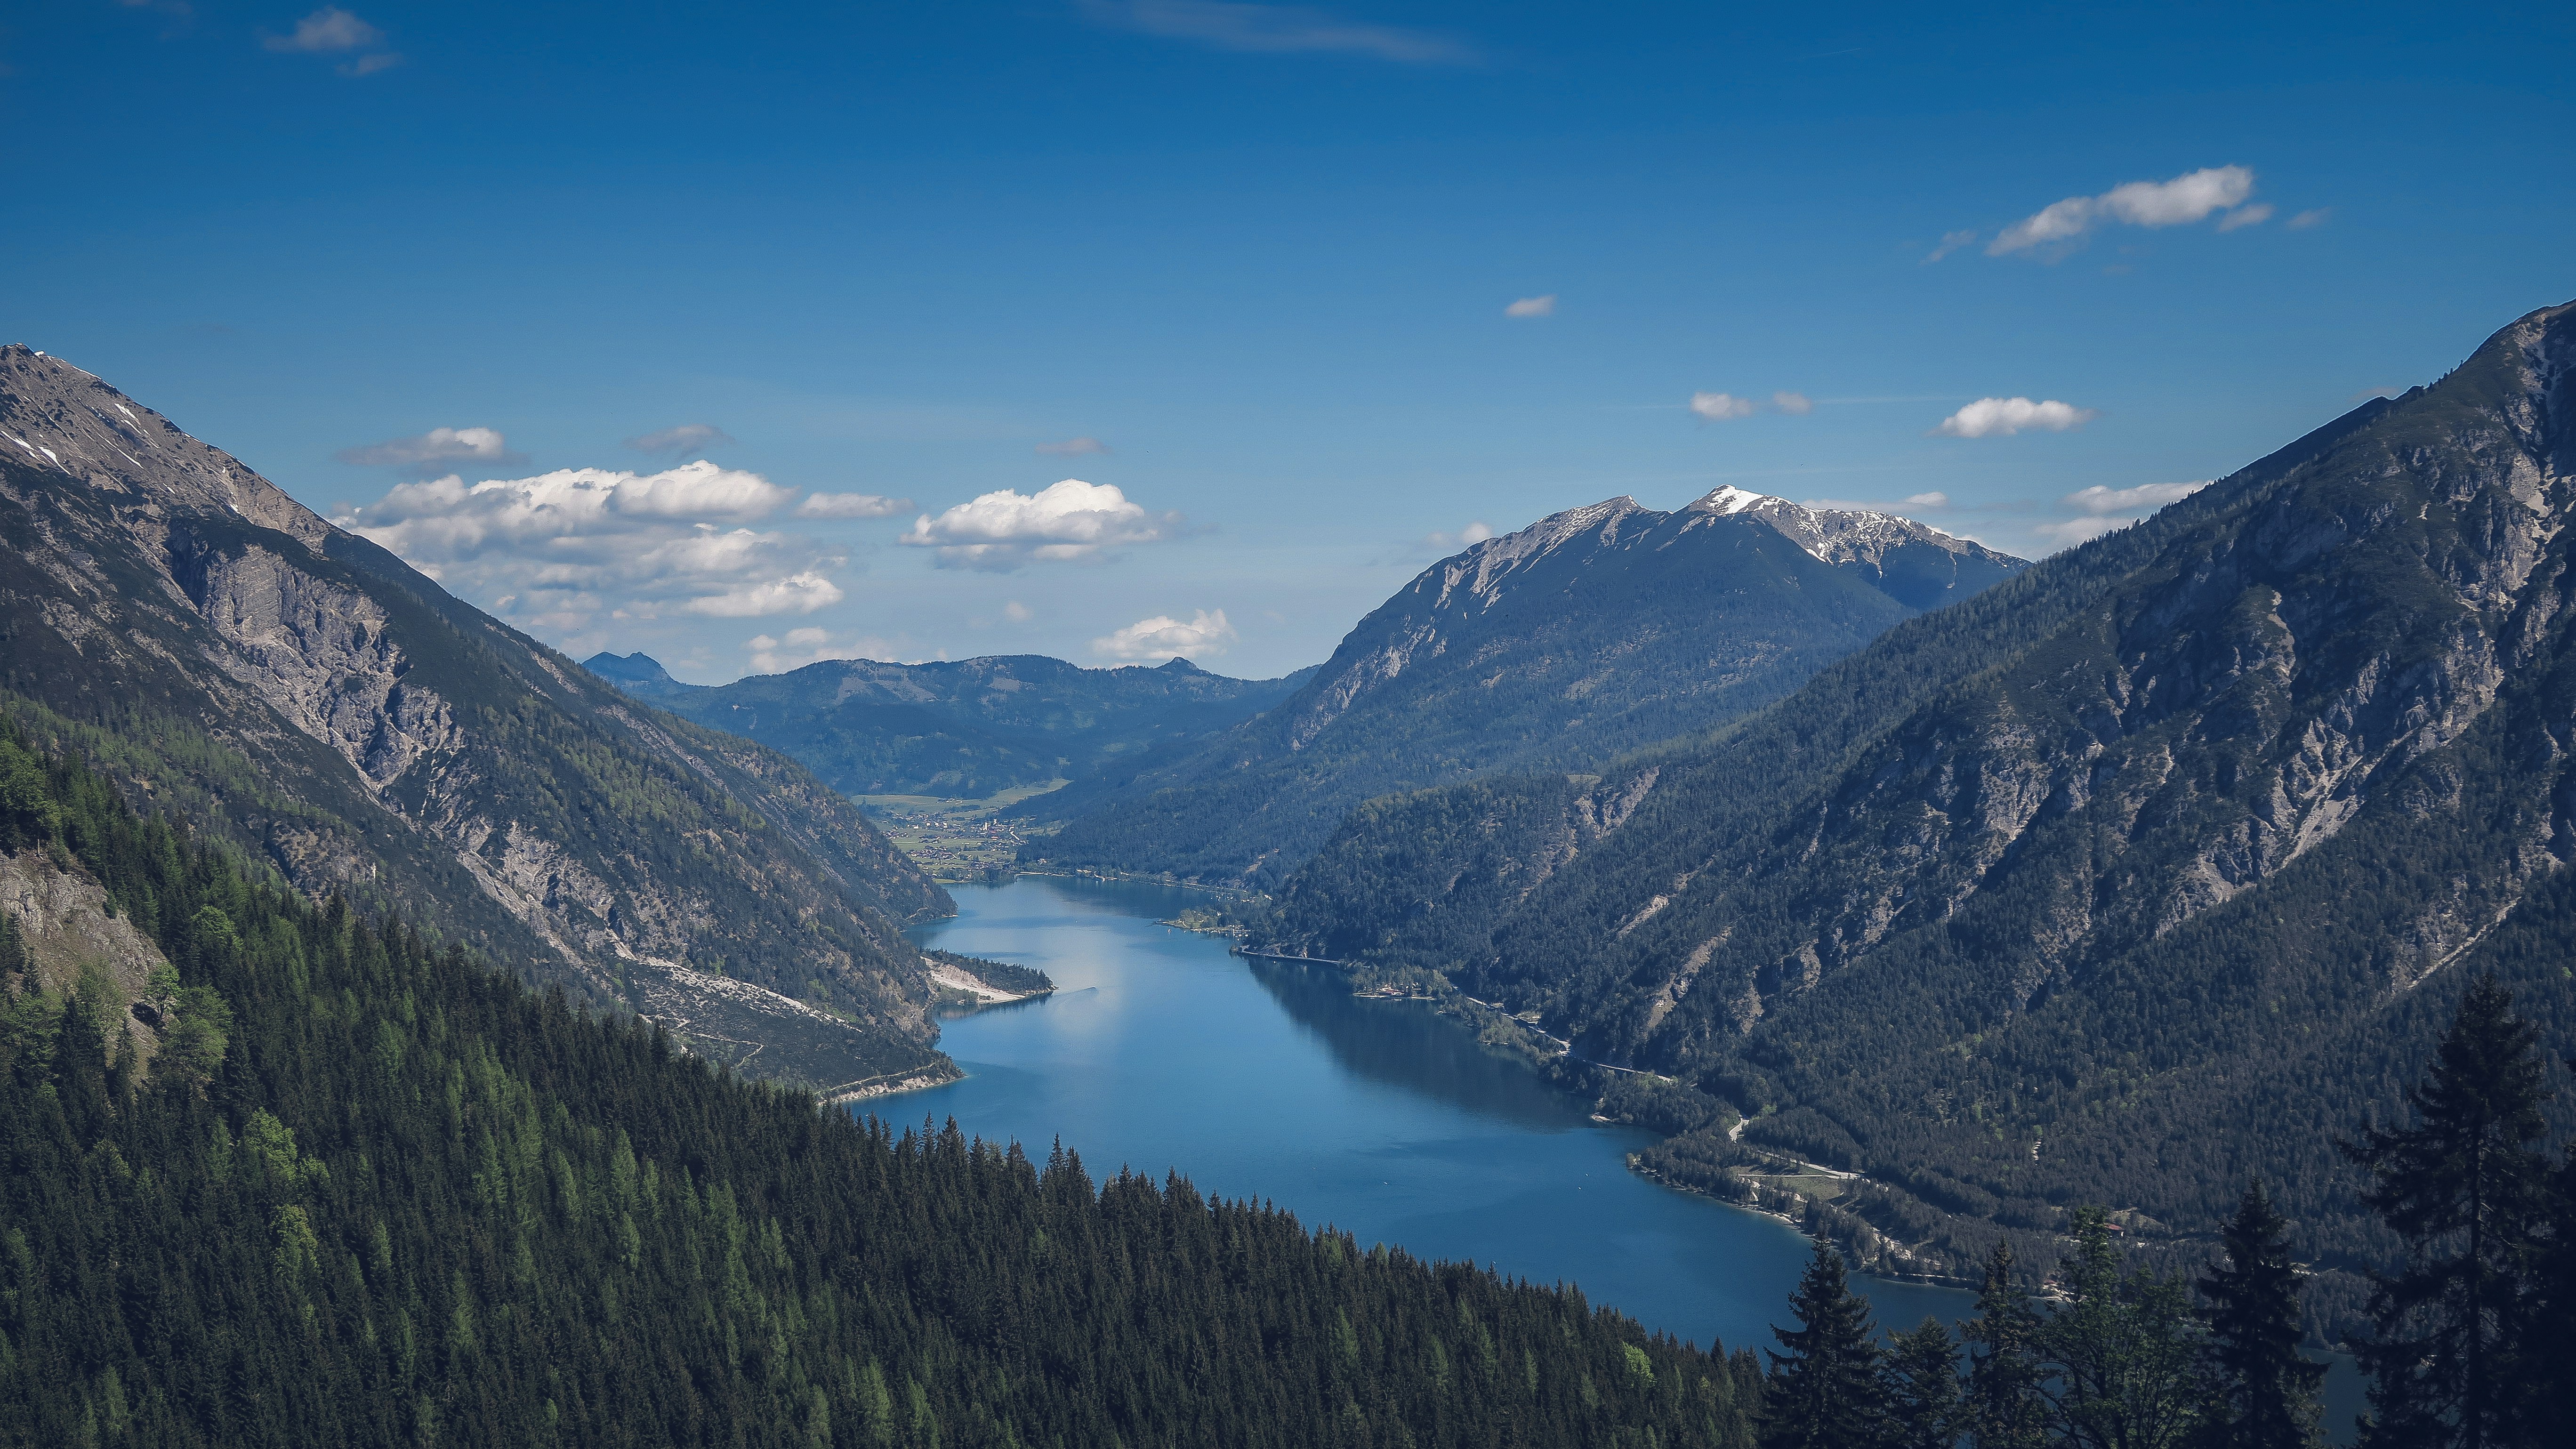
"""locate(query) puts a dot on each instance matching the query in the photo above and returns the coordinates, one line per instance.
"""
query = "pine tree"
(2003, 1408)
(1924, 1396)
(2269, 1392)
(1824, 1392)
(2547, 1404)
(2464, 1189)
(2122, 1353)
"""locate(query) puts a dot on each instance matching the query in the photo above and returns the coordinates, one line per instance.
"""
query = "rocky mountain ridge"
(1592, 631)
(2147, 870)
(229, 654)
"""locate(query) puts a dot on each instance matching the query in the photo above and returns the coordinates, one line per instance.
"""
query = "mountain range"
(2153, 868)
(968, 729)
(1590, 633)
(228, 656)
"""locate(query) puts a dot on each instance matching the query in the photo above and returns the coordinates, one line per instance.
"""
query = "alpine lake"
(1162, 1051)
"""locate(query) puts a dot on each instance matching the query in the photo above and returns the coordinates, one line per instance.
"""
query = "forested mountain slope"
(1589, 633)
(2153, 868)
(964, 729)
(307, 695)
(361, 1191)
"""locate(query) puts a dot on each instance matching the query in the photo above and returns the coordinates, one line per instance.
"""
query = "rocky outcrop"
(338, 714)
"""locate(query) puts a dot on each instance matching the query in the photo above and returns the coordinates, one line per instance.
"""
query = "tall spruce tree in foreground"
(2003, 1408)
(2546, 1411)
(2267, 1392)
(2122, 1354)
(2464, 1188)
(1923, 1390)
(1824, 1393)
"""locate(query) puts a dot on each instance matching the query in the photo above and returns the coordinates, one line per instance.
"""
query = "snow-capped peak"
(1727, 498)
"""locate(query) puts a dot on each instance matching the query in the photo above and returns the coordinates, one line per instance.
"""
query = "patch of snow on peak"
(1726, 498)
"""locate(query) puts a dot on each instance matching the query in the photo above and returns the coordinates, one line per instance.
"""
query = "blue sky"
(1262, 255)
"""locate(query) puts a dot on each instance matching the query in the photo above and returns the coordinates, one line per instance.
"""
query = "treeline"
(386, 1195)
(1001, 974)
(2467, 1344)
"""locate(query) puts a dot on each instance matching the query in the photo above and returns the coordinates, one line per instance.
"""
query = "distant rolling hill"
(1584, 635)
(969, 729)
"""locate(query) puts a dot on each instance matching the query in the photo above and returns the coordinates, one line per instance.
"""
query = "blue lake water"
(1161, 1050)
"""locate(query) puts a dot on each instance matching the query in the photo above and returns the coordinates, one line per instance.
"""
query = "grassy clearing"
(957, 840)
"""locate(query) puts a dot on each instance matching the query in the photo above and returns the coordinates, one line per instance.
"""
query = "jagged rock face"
(335, 712)
(2179, 821)
(1594, 631)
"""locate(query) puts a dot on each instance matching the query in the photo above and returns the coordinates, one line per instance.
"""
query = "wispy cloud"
(1072, 447)
(809, 645)
(1064, 521)
(2314, 216)
(851, 505)
(1718, 407)
(1533, 307)
(1950, 242)
(683, 440)
(1204, 635)
(1468, 537)
(334, 31)
(2255, 215)
(2191, 197)
(2001, 417)
(1276, 29)
(436, 450)
(2101, 509)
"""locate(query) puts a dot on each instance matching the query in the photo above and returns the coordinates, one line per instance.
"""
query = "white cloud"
(799, 593)
(2317, 216)
(1163, 636)
(1532, 307)
(692, 490)
(1795, 404)
(1468, 537)
(333, 31)
(1073, 447)
(2185, 199)
(1950, 242)
(851, 505)
(2145, 498)
(1718, 406)
(2001, 417)
(1017, 612)
(1275, 29)
(1066, 520)
(2073, 531)
(809, 645)
(2104, 510)
(684, 439)
(326, 30)
(2255, 215)
(1935, 499)
(435, 450)
(561, 550)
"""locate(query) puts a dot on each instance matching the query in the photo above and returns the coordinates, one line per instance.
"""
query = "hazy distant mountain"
(966, 729)
(1586, 634)
(225, 653)
(2159, 866)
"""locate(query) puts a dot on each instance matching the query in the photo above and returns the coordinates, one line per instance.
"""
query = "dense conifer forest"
(364, 1190)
